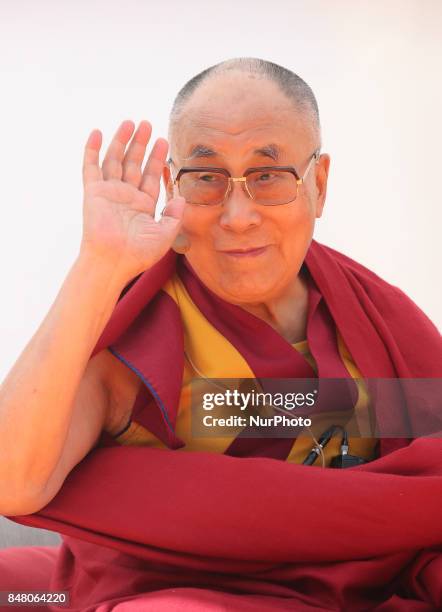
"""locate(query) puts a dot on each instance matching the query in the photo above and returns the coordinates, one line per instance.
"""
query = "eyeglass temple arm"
(169, 162)
(314, 158)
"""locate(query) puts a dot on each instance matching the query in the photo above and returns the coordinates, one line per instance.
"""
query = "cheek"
(198, 225)
(296, 227)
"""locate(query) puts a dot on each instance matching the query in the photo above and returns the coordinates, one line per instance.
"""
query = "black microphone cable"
(323, 440)
(341, 461)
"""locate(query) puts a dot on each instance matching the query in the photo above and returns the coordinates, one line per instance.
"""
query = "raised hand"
(120, 199)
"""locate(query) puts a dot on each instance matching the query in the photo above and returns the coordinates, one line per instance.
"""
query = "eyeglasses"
(266, 185)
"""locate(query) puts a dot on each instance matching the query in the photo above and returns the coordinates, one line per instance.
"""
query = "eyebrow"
(200, 150)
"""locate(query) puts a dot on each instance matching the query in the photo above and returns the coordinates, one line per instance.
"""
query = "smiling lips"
(252, 252)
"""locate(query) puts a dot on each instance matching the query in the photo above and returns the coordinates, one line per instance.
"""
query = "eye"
(265, 177)
(209, 177)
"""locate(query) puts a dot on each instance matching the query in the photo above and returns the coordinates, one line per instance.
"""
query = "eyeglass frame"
(243, 179)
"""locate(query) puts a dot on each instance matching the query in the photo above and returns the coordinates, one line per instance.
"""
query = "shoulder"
(388, 297)
(397, 318)
(353, 266)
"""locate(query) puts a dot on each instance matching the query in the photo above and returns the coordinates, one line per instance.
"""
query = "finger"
(151, 178)
(135, 154)
(112, 163)
(91, 163)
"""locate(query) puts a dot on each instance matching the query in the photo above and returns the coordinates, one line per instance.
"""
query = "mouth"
(249, 252)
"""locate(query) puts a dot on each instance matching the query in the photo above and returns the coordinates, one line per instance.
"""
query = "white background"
(69, 67)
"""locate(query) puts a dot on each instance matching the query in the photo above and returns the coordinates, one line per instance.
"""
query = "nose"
(239, 211)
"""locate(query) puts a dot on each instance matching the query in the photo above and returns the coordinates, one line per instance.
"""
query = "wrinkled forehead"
(276, 135)
(239, 119)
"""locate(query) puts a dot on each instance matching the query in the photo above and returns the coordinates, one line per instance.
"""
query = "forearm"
(36, 398)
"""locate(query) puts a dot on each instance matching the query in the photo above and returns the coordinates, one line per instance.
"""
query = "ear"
(322, 168)
(167, 181)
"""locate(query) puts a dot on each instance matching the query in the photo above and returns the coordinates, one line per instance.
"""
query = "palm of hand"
(120, 199)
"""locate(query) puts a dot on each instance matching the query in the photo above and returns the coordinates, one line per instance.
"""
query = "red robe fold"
(153, 529)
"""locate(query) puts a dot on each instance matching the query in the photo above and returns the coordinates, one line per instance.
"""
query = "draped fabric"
(209, 354)
(149, 528)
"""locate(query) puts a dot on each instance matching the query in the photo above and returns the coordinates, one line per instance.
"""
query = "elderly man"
(227, 284)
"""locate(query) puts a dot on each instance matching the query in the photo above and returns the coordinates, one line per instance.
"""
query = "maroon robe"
(159, 529)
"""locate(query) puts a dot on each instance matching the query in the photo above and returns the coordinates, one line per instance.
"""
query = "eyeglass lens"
(266, 187)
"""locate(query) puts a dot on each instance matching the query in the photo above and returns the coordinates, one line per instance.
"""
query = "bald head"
(285, 81)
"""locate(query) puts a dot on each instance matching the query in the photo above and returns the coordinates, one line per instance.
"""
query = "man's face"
(238, 117)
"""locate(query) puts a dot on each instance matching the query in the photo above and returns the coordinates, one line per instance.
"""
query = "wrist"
(102, 270)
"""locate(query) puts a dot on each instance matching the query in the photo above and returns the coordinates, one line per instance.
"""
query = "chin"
(246, 288)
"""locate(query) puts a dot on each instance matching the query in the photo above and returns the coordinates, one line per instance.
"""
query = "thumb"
(174, 208)
(171, 216)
